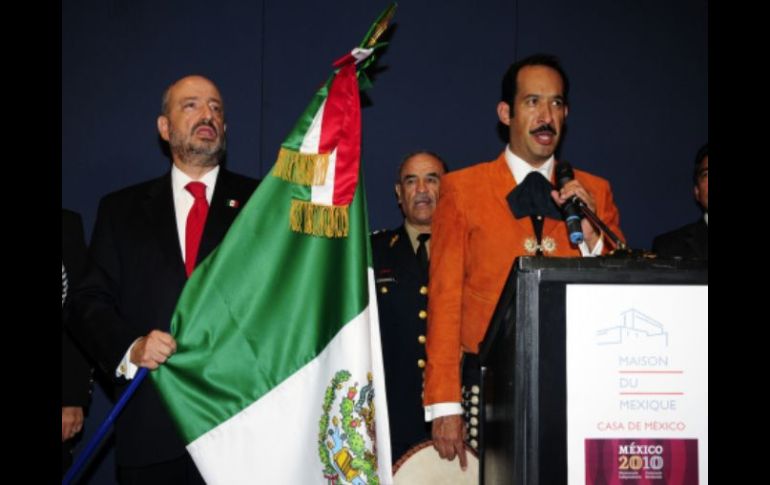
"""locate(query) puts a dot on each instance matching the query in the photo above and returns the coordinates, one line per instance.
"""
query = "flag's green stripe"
(294, 140)
(268, 300)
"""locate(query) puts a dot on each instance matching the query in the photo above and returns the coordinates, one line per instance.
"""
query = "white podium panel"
(637, 384)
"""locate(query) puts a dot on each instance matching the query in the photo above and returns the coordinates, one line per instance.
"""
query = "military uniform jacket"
(402, 300)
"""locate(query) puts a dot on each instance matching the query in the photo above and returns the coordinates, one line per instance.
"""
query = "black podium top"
(677, 269)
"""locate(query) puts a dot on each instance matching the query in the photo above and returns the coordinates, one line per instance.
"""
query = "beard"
(205, 153)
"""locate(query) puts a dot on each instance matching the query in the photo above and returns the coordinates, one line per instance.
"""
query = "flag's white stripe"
(324, 194)
(313, 134)
(384, 459)
(320, 194)
(360, 53)
(278, 435)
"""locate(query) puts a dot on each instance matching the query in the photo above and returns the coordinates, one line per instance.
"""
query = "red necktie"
(196, 219)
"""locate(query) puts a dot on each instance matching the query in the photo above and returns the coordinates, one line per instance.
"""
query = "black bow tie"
(532, 197)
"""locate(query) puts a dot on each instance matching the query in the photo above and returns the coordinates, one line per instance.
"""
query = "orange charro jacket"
(475, 239)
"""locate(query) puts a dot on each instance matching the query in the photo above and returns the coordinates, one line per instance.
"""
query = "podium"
(524, 364)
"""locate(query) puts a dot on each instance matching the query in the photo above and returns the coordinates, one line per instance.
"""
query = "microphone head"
(576, 237)
(564, 173)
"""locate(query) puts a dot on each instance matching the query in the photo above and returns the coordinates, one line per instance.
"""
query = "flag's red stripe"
(341, 128)
(349, 148)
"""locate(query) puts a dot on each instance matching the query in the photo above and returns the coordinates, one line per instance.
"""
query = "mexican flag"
(278, 372)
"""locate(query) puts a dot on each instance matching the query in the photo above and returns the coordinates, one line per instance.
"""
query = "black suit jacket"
(690, 242)
(402, 289)
(131, 287)
(75, 369)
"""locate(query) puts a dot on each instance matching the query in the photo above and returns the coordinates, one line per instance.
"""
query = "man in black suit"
(690, 241)
(143, 249)
(75, 369)
(400, 267)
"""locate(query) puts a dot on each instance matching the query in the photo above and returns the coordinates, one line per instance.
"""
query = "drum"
(422, 465)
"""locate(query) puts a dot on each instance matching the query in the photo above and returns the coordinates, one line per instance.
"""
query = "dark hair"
(703, 152)
(509, 87)
(414, 154)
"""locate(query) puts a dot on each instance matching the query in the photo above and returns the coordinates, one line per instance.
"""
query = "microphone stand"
(621, 249)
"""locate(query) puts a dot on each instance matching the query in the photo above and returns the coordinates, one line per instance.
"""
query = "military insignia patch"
(393, 240)
(384, 275)
(346, 439)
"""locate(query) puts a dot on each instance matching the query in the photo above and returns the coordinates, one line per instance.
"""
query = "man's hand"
(71, 421)
(448, 438)
(573, 187)
(153, 349)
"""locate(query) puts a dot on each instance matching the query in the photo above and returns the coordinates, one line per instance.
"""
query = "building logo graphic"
(634, 326)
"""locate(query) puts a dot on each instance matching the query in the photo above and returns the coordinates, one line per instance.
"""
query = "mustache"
(208, 123)
(546, 128)
(422, 198)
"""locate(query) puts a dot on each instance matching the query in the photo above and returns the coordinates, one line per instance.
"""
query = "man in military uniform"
(401, 272)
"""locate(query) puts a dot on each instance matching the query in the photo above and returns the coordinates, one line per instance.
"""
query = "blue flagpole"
(106, 425)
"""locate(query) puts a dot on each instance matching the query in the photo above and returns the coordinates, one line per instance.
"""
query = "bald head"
(187, 80)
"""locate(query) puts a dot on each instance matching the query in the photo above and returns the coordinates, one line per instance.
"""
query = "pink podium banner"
(641, 461)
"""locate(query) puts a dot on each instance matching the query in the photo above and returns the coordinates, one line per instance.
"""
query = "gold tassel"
(319, 220)
(301, 168)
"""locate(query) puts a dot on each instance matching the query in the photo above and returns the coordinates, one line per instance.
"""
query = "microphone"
(570, 209)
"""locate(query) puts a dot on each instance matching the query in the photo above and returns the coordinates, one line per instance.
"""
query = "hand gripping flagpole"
(106, 425)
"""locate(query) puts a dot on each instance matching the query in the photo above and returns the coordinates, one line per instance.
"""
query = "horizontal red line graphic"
(652, 393)
(651, 372)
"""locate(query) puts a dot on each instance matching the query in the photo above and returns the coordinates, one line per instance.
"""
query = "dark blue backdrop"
(638, 102)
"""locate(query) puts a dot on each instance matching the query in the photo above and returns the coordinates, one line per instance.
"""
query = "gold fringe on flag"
(301, 168)
(319, 220)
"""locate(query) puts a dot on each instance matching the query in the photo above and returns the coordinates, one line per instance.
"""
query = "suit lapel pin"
(233, 203)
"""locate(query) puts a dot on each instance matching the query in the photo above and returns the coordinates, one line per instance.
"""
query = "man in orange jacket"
(488, 215)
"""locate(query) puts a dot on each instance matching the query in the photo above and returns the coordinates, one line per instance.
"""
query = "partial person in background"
(147, 240)
(75, 369)
(690, 241)
(401, 258)
(488, 215)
